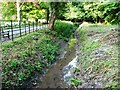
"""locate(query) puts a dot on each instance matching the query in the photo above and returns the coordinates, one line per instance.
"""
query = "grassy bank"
(22, 58)
(98, 59)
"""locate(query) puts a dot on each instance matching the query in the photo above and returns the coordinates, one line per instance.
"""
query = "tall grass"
(63, 28)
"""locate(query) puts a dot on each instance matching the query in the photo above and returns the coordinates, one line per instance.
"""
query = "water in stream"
(56, 75)
(59, 73)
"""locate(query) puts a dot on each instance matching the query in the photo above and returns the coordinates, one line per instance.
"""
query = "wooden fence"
(9, 29)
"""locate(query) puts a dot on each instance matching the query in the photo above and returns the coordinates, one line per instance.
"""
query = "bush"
(63, 29)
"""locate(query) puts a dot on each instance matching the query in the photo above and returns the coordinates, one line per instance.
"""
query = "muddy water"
(54, 78)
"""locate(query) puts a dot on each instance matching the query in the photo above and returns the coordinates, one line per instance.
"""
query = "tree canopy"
(93, 11)
(107, 12)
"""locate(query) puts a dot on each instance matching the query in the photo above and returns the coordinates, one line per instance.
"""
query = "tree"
(18, 10)
(53, 13)
(110, 11)
(71, 11)
(9, 10)
(95, 12)
(55, 8)
(74, 11)
(24, 10)
(46, 6)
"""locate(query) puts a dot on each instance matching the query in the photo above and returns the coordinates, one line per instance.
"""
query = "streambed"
(59, 73)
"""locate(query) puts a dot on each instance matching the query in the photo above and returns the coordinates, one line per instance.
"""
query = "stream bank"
(31, 56)
(98, 57)
(59, 73)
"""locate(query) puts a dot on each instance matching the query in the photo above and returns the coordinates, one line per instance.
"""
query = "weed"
(75, 82)
(72, 43)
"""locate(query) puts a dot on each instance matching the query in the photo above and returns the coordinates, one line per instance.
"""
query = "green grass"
(99, 27)
(25, 56)
(32, 53)
(75, 82)
(105, 67)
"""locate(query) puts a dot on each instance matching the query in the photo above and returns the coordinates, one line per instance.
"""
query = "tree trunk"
(52, 20)
(47, 15)
(18, 11)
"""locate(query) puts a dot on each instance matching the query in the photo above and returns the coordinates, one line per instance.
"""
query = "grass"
(98, 27)
(75, 82)
(23, 57)
(32, 53)
(107, 64)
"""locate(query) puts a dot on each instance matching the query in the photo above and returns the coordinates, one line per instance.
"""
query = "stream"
(55, 76)
(58, 74)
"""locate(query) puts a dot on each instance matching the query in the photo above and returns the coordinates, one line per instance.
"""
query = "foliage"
(28, 10)
(8, 11)
(34, 11)
(95, 12)
(55, 7)
(75, 82)
(72, 43)
(71, 11)
(55, 11)
(24, 57)
(74, 11)
(110, 11)
(64, 29)
(107, 12)
(49, 50)
(98, 58)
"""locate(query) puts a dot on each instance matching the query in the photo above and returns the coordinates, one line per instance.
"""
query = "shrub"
(63, 29)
